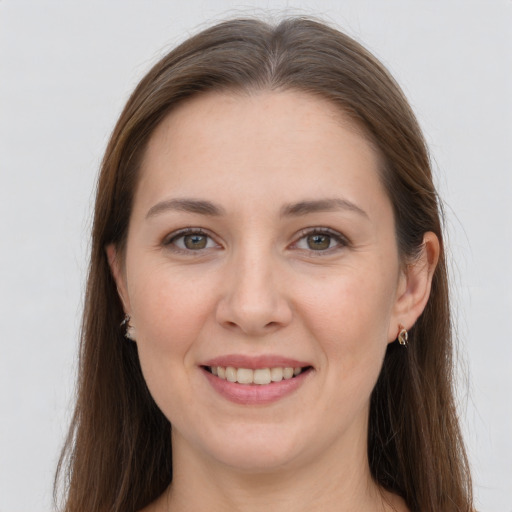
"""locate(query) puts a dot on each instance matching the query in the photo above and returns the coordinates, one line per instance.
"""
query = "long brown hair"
(118, 453)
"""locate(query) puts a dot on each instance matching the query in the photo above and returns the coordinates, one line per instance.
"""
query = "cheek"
(169, 310)
(349, 316)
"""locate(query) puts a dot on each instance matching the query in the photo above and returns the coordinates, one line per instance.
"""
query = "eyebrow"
(203, 207)
(321, 205)
(199, 206)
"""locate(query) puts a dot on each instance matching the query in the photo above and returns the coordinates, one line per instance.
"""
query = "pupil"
(318, 242)
(195, 241)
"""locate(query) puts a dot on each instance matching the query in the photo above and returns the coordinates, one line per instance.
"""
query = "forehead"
(283, 143)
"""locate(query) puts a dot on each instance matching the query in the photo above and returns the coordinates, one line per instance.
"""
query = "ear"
(414, 286)
(116, 267)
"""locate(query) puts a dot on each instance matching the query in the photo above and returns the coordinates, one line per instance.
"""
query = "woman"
(268, 236)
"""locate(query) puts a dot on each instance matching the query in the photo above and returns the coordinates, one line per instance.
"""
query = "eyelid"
(342, 240)
(171, 237)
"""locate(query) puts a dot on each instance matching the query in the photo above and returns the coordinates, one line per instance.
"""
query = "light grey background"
(66, 69)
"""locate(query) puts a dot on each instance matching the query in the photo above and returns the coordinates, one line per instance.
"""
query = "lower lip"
(255, 394)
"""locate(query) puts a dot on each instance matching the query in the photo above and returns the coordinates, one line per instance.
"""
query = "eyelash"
(341, 240)
(170, 241)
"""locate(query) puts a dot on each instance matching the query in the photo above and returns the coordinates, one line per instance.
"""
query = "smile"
(258, 376)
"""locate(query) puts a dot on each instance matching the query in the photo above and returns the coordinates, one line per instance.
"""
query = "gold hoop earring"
(403, 335)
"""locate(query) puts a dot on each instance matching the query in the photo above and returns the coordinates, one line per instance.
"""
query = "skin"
(261, 286)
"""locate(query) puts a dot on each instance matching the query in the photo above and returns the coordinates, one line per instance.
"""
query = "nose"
(253, 298)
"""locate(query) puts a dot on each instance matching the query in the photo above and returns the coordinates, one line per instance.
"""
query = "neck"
(337, 481)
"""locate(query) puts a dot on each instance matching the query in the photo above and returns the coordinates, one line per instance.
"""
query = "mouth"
(257, 376)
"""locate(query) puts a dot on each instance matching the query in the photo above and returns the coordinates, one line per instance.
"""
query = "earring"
(403, 335)
(130, 330)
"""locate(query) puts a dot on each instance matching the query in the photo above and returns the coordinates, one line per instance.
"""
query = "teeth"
(231, 374)
(276, 374)
(287, 373)
(259, 376)
(262, 376)
(244, 376)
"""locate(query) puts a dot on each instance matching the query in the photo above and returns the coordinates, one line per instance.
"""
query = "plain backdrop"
(66, 69)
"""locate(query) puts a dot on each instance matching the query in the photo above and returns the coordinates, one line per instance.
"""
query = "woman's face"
(261, 240)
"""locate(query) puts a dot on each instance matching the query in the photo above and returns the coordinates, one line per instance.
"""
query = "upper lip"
(254, 362)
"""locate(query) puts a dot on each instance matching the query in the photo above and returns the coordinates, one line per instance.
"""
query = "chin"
(253, 449)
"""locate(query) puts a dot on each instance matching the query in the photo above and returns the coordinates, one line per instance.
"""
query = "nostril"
(255, 317)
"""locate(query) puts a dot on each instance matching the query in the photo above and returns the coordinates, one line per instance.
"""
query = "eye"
(190, 240)
(321, 240)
